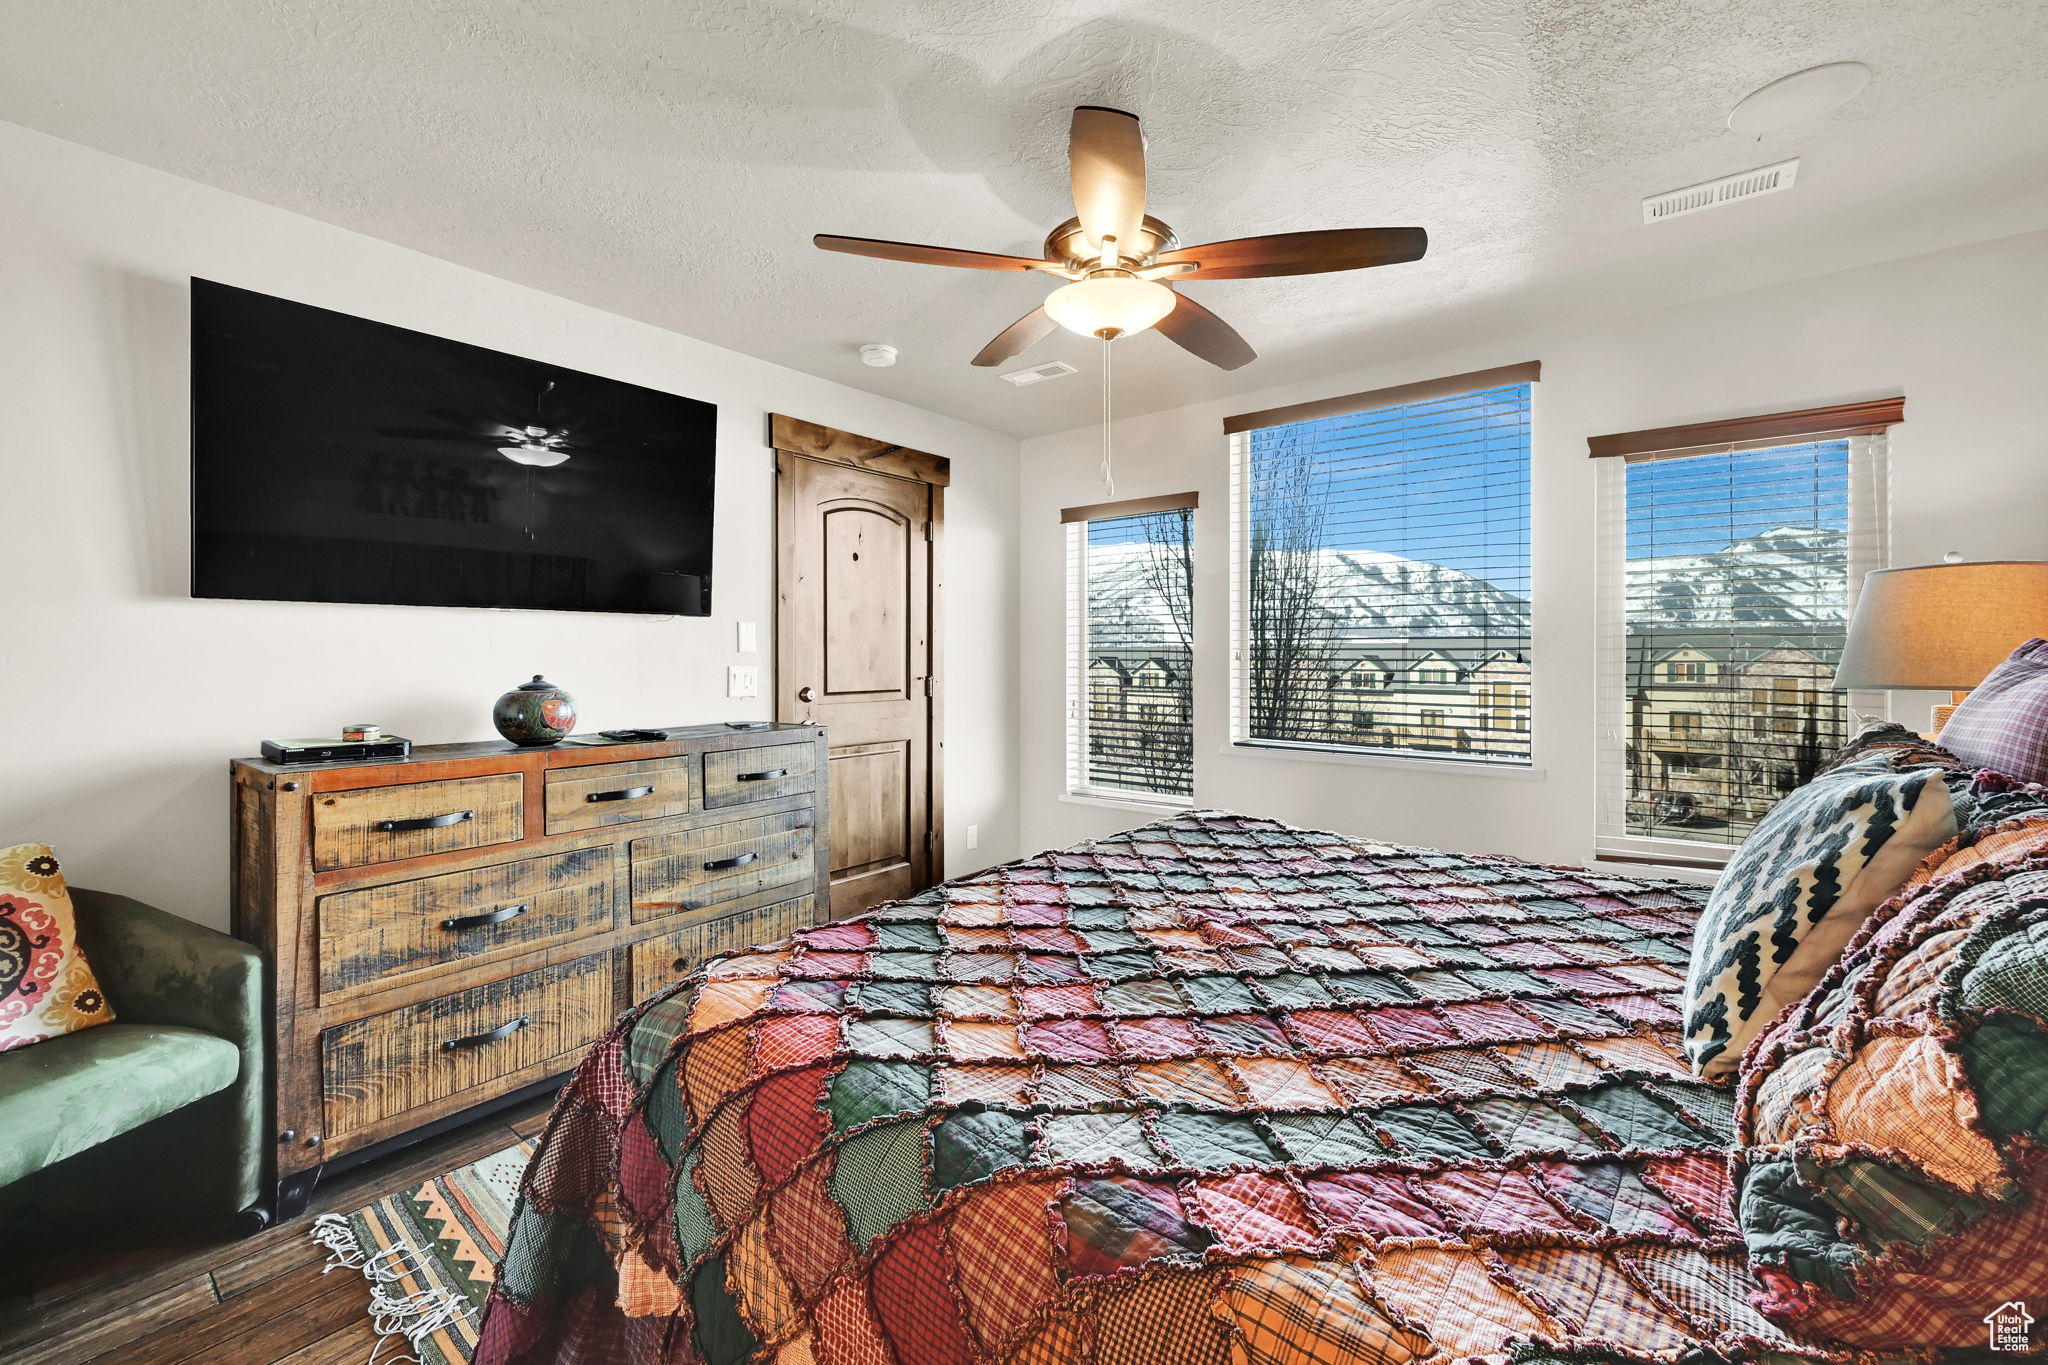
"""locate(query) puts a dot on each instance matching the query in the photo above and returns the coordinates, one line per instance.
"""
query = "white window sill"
(1678, 858)
(1158, 805)
(1309, 753)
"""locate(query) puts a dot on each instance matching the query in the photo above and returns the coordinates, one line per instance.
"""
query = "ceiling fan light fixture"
(1110, 305)
(534, 454)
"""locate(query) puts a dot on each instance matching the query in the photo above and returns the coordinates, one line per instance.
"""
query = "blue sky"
(1447, 482)
(1444, 481)
(1701, 503)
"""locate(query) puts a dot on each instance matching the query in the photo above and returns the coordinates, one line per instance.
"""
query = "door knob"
(806, 694)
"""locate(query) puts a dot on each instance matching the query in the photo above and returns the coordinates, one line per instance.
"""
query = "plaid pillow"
(1797, 890)
(2003, 723)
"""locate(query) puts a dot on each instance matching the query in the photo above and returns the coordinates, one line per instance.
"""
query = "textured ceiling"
(669, 159)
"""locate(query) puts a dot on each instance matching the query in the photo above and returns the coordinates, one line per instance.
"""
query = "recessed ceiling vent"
(1715, 194)
(1038, 374)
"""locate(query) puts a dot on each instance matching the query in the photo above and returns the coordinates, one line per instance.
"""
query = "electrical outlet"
(973, 837)
(749, 639)
(742, 680)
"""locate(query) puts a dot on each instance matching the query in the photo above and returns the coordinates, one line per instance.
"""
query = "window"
(1130, 643)
(1728, 574)
(1510, 707)
(1390, 527)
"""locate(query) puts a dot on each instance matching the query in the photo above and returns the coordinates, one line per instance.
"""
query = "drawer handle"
(622, 794)
(498, 916)
(721, 864)
(453, 817)
(763, 776)
(496, 1035)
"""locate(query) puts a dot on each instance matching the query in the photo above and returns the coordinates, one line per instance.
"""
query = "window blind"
(1727, 578)
(1130, 642)
(1380, 576)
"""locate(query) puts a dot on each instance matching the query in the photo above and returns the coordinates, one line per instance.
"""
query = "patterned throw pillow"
(1892, 1182)
(46, 986)
(2003, 723)
(1900, 747)
(1798, 888)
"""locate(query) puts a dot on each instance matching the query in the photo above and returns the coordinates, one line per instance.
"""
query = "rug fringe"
(412, 1317)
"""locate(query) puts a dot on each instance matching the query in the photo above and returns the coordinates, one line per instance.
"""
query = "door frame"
(792, 436)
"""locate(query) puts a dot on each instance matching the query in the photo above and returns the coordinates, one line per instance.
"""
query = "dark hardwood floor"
(258, 1300)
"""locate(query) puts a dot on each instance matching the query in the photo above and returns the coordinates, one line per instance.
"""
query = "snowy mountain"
(1792, 578)
(1375, 597)
(1789, 579)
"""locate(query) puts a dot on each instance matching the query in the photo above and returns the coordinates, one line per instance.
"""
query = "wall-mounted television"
(336, 459)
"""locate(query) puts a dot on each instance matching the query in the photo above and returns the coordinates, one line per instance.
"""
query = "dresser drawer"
(697, 868)
(617, 793)
(733, 777)
(476, 1043)
(385, 824)
(659, 961)
(407, 930)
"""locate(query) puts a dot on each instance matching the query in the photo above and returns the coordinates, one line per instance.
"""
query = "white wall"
(1962, 333)
(123, 698)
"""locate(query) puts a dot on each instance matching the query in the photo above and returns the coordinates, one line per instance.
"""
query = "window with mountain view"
(1130, 643)
(1381, 579)
(1732, 574)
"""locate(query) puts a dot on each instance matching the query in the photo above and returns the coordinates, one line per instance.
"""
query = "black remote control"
(627, 736)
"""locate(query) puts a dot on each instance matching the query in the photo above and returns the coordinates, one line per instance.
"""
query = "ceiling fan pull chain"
(1108, 474)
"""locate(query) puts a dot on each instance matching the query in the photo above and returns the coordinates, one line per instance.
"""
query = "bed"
(1214, 1091)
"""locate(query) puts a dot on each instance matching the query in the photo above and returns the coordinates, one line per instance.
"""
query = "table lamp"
(1942, 627)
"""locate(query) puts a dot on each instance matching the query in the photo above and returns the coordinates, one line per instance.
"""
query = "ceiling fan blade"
(1017, 338)
(1106, 162)
(927, 255)
(1194, 328)
(1301, 253)
(437, 434)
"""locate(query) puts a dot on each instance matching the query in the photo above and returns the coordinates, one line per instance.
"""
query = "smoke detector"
(878, 355)
(1714, 194)
(1038, 374)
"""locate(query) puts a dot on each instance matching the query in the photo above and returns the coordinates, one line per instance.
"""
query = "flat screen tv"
(336, 459)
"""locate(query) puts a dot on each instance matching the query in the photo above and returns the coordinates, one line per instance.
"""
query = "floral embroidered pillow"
(46, 986)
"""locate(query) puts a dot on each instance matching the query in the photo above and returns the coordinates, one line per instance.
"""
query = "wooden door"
(856, 648)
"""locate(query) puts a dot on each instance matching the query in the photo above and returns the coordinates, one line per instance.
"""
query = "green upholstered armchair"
(172, 1092)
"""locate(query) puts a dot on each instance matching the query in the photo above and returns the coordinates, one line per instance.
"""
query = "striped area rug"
(428, 1252)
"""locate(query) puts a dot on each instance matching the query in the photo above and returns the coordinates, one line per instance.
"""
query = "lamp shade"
(1942, 627)
(1112, 304)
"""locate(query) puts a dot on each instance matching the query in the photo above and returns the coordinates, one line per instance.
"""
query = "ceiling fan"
(1118, 259)
(532, 443)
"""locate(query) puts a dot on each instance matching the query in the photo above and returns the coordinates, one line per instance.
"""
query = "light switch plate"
(749, 638)
(742, 680)
(973, 837)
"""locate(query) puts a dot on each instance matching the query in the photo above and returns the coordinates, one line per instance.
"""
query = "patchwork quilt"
(1216, 1091)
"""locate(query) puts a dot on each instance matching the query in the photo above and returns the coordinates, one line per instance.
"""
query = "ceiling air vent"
(1715, 193)
(1038, 374)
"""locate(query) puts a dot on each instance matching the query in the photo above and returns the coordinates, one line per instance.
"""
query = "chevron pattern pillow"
(1797, 891)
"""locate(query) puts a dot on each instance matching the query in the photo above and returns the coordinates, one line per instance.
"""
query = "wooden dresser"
(450, 928)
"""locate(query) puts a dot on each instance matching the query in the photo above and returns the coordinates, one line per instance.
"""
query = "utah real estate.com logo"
(2009, 1323)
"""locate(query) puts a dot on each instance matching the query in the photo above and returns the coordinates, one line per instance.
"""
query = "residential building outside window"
(1383, 541)
(1130, 650)
(1728, 578)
